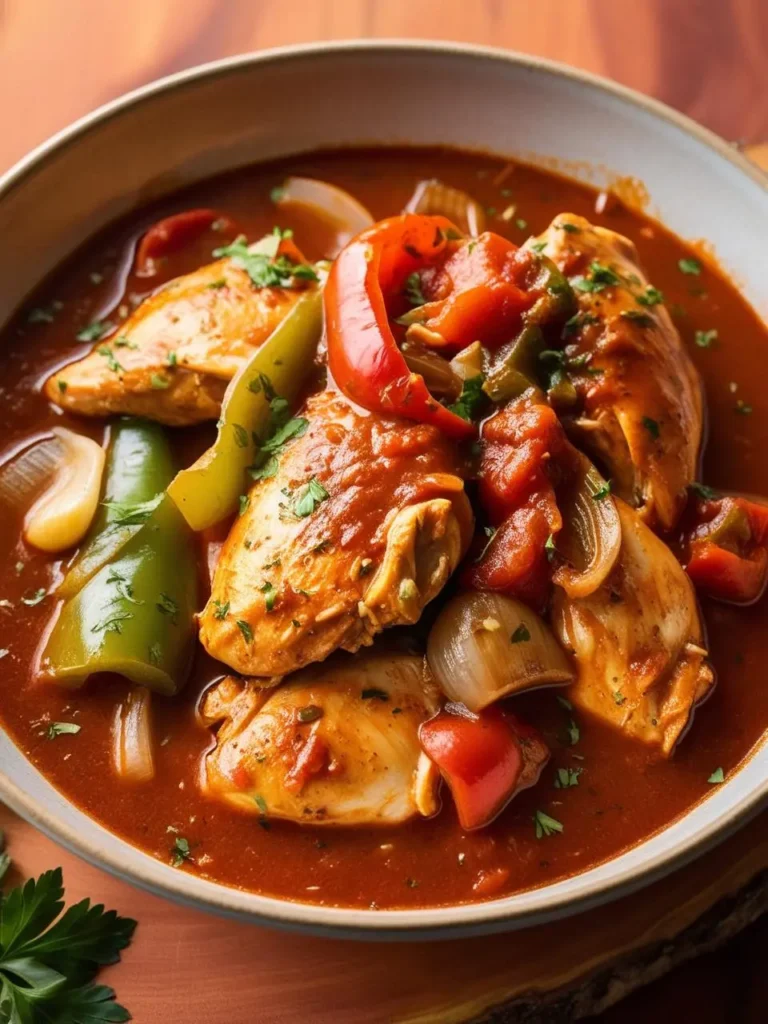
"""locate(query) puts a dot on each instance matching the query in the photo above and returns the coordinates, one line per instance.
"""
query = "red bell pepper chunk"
(485, 758)
(173, 233)
(363, 356)
(727, 548)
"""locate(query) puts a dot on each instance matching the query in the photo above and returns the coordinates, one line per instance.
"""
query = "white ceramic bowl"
(200, 122)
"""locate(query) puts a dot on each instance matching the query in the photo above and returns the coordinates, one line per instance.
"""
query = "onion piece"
(437, 372)
(484, 646)
(132, 753)
(433, 197)
(27, 469)
(590, 540)
(469, 362)
(333, 204)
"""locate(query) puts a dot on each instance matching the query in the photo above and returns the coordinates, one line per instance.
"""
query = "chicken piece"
(337, 745)
(172, 359)
(638, 641)
(363, 523)
(642, 415)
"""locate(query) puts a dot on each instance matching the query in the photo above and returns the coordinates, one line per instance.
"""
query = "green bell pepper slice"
(209, 490)
(133, 613)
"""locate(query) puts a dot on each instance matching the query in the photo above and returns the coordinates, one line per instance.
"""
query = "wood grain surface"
(60, 59)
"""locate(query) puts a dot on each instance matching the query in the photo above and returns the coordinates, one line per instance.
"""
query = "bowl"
(204, 121)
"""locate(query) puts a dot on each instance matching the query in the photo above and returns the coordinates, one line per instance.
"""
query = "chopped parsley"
(158, 382)
(220, 610)
(689, 266)
(407, 590)
(243, 502)
(121, 513)
(266, 270)
(310, 497)
(703, 492)
(123, 342)
(618, 698)
(310, 713)
(571, 229)
(650, 297)
(546, 825)
(155, 653)
(113, 623)
(521, 635)
(41, 315)
(538, 246)
(574, 733)
(172, 360)
(578, 321)
(522, 224)
(706, 339)
(270, 595)
(95, 331)
(603, 492)
(62, 386)
(261, 803)
(472, 399)
(566, 778)
(637, 317)
(62, 729)
(180, 851)
(413, 291)
(246, 630)
(652, 427)
(718, 775)
(241, 435)
(112, 362)
(601, 277)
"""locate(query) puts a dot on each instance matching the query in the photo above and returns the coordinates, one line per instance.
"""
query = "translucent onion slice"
(334, 205)
(438, 373)
(132, 746)
(590, 540)
(67, 468)
(433, 197)
(484, 646)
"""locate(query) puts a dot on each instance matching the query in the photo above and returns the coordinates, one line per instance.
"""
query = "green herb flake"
(706, 339)
(243, 502)
(601, 277)
(265, 270)
(172, 359)
(637, 317)
(574, 733)
(310, 713)
(261, 803)
(567, 778)
(159, 383)
(546, 825)
(62, 386)
(576, 322)
(62, 729)
(112, 624)
(717, 776)
(180, 851)
(652, 427)
(618, 698)
(564, 702)
(276, 194)
(521, 635)
(41, 315)
(241, 435)
(95, 331)
(522, 224)
(246, 630)
(220, 611)
(472, 400)
(109, 355)
(270, 595)
(310, 497)
(155, 653)
(703, 492)
(413, 291)
(538, 246)
(168, 606)
(34, 598)
(122, 513)
(650, 297)
(689, 266)
(602, 492)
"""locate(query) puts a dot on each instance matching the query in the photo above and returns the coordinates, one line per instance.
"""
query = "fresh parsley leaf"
(168, 606)
(413, 291)
(294, 428)
(571, 229)
(578, 321)
(718, 775)
(266, 470)
(574, 733)
(538, 246)
(62, 729)
(374, 693)
(264, 269)
(95, 330)
(546, 825)
(41, 315)
(521, 635)
(601, 277)
(637, 317)
(566, 778)
(261, 803)
(241, 435)
(310, 713)
(180, 851)
(121, 513)
(618, 698)
(310, 497)
(112, 624)
(603, 492)
(472, 400)
(220, 610)
(48, 959)
(689, 266)
(650, 297)
(246, 630)
(158, 382)
(155, 654)
(243, 502)
(702, 491)
(706, 339)
(270, 594)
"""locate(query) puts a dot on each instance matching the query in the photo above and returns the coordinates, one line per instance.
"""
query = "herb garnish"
(618, 698)
(546, 825)
(718, 775)
(601, 277)
(641, 319)
(112, 624)
(578, 321)
(220, 610)
(34, 598)
(266, 269)
(311, 496)
(168, 606)
(95, 330)
(243, 502)
(650, 297)
(310, 713)
(603, 492)
(374, 693)
(706, 339)
(702, 491)
(158, 382)
(62, 729)
(241, 435)
(270, 595)
(743, 408)
(109, 355)
(566, 778)
(413, 291)
(689, 266)
(47, 965)
(472, 399)
(180, 851)
(246, 630)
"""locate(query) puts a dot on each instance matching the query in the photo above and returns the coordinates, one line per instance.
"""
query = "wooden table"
(61, 58)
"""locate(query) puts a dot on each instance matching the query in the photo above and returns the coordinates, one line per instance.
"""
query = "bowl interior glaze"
(198, 123)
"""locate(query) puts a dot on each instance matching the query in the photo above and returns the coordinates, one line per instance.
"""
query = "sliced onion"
(590, 540)
(345, 213)
(484, 646)
(469, 362)
(27, 470)
(437, 372)
(433, 197)
(61, 516)
(132, 752)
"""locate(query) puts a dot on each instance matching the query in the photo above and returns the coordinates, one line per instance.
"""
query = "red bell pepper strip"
(363, 356)
(485, 758)
(727, 549)
(173, 233)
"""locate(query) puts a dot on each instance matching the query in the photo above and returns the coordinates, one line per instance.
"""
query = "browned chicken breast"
(172, 359)
(337, 745)
(362, 524)
(641, 414)
(638, 641)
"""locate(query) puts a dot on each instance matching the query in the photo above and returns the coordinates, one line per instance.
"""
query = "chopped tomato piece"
(726, 548)
(363, 356)
(173, 233)
(485, 758)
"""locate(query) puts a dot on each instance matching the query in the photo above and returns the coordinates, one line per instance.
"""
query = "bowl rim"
(432, 922)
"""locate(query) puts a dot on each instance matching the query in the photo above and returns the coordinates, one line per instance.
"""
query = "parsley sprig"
(48, 959)
(264, 266)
